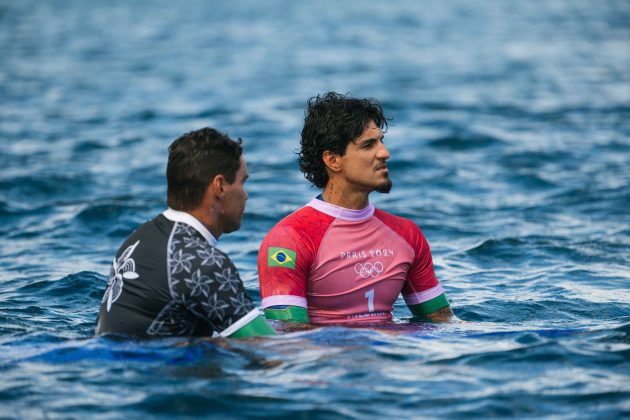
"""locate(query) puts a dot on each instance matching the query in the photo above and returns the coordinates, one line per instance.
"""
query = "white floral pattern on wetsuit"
(124, 267)
(205, 288)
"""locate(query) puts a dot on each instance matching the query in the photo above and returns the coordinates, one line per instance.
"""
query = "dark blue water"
(510, 148)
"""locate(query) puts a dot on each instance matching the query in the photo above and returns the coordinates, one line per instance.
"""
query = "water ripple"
(509, 144)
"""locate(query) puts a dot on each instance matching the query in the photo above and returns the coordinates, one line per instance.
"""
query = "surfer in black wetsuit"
(168, 278)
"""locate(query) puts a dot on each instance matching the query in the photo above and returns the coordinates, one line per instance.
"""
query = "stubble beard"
(385, 187)
(233, 227)
(233, 224)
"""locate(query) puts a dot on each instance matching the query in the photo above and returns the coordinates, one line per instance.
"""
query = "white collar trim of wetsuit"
(342, 212)
(189, 219)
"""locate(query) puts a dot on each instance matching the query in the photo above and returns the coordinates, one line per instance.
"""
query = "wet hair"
(331, 122)
(194, 160)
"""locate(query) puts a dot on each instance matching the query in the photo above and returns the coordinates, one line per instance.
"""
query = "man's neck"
(343, 197)
(207, 218)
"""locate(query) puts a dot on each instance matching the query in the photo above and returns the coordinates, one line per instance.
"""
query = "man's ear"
(216, 186)
(332, 161)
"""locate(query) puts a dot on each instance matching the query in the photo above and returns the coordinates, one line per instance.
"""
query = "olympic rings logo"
(368, 269)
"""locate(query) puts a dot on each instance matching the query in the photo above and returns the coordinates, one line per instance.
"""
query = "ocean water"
(510, 144)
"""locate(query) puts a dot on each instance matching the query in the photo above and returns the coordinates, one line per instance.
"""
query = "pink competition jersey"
(345, 265)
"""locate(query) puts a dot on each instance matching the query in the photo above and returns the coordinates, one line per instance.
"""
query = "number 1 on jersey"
(370, 297)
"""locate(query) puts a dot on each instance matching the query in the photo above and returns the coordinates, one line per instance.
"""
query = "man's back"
(169, 280)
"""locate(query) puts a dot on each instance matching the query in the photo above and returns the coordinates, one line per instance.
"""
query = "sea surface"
(510, 143)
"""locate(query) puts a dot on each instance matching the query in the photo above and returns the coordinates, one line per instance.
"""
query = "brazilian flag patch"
(281, 257)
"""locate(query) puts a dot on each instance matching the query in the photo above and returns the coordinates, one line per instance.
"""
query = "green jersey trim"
(290, 313)
(429, 306)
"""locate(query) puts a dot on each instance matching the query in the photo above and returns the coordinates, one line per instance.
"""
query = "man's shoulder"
(297, 215)
(403, 227)
(159, 224)
(304, 227)
(393, 220)
(303, 220)
(187, 242)
(149, 231)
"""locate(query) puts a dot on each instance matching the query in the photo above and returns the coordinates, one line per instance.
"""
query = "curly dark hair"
(331, 122)
(194, 160)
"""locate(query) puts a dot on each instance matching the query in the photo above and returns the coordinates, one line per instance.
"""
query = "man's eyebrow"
(369, 139)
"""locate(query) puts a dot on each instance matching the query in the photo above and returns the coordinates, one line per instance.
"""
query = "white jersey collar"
(189, 219)
(342, 212)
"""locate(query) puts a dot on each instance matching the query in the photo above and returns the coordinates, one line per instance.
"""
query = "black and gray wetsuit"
(169, 279)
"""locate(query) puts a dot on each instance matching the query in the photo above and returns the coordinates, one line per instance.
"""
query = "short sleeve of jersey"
(214, 291)
(284, 261)
(422, 284)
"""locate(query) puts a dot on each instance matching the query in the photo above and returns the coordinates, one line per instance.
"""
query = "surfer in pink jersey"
(338, 259)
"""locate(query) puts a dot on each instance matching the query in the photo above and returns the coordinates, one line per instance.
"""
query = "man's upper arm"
(423, 292)
(283, 263)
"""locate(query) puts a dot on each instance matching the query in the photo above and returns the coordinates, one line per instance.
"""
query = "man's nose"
(383, 153)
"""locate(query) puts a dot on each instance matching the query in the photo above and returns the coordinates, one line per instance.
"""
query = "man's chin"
(384, 187)
(232, 228)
